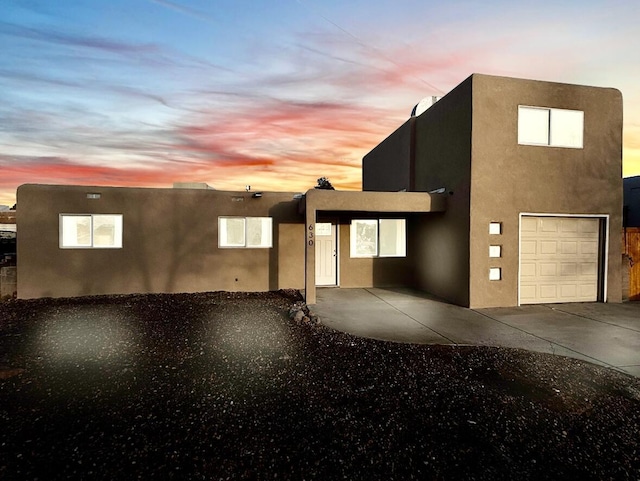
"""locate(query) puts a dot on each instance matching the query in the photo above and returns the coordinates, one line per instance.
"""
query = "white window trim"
(550, 119)
(604, 217)
(119, 228)
(222, 241)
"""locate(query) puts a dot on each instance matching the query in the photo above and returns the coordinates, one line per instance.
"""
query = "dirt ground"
(226, 386)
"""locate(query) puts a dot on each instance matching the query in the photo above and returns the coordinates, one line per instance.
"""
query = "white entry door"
(559, 259)
(326, 254)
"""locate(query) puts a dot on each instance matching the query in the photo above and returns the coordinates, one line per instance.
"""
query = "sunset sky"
(273, 94)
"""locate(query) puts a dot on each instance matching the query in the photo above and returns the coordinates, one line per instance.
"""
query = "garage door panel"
(587, 290)
(529, 224)
(548, 269)
(568, 291)
(568, 226)
(549, 225)
(568, 269)
(528, 269)
(527, 293)
(589, 269)
(588, 247)
(559, 259)
(569, 247)
(528, 248)
(588, 226)
(548, 247)
(548, 292)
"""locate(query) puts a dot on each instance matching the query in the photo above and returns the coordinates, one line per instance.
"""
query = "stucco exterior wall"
(170, 242)
(387, 168)
(509, 179)
(442, 160)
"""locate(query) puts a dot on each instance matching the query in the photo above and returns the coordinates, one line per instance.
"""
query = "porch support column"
(310, 253)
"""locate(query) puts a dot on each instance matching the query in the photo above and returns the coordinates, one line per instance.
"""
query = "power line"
(364, 44)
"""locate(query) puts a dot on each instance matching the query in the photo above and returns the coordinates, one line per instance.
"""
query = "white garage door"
(558, 259)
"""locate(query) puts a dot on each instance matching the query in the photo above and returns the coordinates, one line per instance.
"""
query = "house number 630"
(310, 235)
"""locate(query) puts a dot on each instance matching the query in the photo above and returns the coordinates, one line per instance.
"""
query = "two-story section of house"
(534, 175)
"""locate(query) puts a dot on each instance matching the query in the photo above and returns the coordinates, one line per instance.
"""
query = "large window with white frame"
(245, 232)
(378, 238)
(90, 231)
(550, 127)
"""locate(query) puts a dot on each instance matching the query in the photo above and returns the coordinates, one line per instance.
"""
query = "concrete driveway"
(605, 334)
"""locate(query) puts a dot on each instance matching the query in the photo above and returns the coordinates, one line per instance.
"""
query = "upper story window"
(378, 238)
(99, 231)
(551, 127)
(247, 232)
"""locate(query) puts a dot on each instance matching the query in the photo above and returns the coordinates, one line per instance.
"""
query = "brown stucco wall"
(442, 160)
(170, 242)
(387, 168)
(508, 179)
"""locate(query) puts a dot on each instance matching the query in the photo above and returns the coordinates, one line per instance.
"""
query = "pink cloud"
(19, 170)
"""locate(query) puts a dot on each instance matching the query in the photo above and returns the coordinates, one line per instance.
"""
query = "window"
(495, 228)
(552, 127)
(100, 231)
(248, 232)
(378, 238)
(495, 273)
(323, 228)
(495, 251)
(392, 238)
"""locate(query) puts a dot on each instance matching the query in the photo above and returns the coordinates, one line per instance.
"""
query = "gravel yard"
(226, 386)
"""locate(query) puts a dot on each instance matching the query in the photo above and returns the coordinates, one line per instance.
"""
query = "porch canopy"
(316, 200)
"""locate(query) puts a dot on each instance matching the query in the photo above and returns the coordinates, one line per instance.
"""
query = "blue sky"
(271, 94)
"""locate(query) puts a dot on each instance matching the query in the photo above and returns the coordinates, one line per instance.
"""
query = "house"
(534, 173)
(503, 192)
(631, 222)
(631, 189)
(7, 252)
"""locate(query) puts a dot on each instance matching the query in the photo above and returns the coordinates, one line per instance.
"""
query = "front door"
(326, 254)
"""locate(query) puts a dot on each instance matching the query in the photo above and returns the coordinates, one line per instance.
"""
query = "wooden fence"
(7, 217)
(631, 238)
